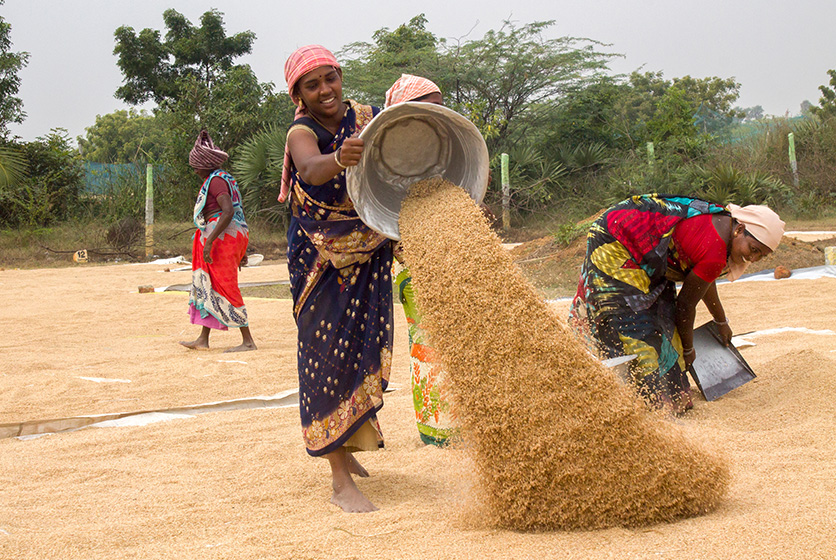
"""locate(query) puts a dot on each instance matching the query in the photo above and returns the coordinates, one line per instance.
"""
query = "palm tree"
(258, 169)
(12, 167)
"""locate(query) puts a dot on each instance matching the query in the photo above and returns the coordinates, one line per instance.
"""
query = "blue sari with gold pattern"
(342, 295)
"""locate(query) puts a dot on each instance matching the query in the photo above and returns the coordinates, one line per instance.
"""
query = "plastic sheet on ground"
(37, 428)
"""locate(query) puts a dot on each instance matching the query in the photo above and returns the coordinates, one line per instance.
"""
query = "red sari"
(214, 299)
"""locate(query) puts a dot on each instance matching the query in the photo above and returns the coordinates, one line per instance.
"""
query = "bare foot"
(195, 344)
(350, 499)
(354, 466)
(243, 347)
(683, 405)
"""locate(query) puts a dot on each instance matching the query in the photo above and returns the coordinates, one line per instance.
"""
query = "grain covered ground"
(238, 484)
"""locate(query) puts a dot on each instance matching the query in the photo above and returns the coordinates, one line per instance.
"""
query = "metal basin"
(409, 142)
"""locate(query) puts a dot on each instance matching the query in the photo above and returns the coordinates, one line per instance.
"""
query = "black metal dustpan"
(717, 369)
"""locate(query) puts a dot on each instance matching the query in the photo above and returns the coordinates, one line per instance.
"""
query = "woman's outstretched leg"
(201, 342)
(346, 494)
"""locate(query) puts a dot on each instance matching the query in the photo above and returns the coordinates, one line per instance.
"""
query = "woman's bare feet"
(201, 342)
(243, 347)
(197, 344)
(346, 494)
(247, 342)
(349, 498)
(354, 466)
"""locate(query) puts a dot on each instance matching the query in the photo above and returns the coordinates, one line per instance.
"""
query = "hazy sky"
(779, 51)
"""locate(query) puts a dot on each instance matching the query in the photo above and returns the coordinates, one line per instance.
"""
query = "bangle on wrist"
(686, 351)
(337, 158)
(724, 322)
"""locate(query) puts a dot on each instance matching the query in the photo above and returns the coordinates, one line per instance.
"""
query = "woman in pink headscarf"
(433, 410)
(219, 249)
(340, 276)
(413, 88)
(627, 302)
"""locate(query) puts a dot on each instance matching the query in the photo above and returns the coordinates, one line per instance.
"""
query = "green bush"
(49, 188)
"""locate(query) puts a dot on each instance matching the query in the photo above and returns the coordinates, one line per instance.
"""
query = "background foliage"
(579, 136)
(11, 106)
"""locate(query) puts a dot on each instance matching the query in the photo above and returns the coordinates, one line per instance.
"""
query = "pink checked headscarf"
(762, 223)
(409, 88)
(302, 61)
(205, 155)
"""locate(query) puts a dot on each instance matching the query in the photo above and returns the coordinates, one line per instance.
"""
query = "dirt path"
(239, 484)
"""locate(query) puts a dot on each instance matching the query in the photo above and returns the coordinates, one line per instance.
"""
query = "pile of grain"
(557, 441)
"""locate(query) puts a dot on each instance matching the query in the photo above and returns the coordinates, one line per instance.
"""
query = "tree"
(12, 167)
(52, 184)
(637, 104)
(237, 107)
(751, 114)
(588, 116)
(827, 101)
(13, 164)
(716, 94)
(123, 137)
(611, 111)
(258, 170)
(502, 80)
(192, 76)
(674, 117)
(11, 106)
(670, 105)
(370, 69)
(153, 69)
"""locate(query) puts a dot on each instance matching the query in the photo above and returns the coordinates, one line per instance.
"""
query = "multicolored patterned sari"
(214, 299)
(626, 296)
(340, 276)
(430, 391)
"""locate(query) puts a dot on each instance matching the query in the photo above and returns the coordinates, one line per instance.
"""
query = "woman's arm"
(227, 211)
(316, 168)
(712, 303)
(693, 290)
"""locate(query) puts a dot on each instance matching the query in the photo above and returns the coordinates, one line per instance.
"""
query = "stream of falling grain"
(557, 441)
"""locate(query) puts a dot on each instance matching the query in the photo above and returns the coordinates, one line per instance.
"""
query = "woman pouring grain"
(636, 252)
(339, 275)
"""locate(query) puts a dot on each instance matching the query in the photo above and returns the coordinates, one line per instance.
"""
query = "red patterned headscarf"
(409, 88)
(205, 155)
(302, 61)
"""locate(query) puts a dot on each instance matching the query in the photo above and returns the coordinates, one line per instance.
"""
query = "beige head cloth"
(763, 224)
(760, 221)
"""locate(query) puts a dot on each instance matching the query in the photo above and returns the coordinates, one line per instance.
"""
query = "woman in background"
(627, 301)
(433, 412)
(219, 249)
